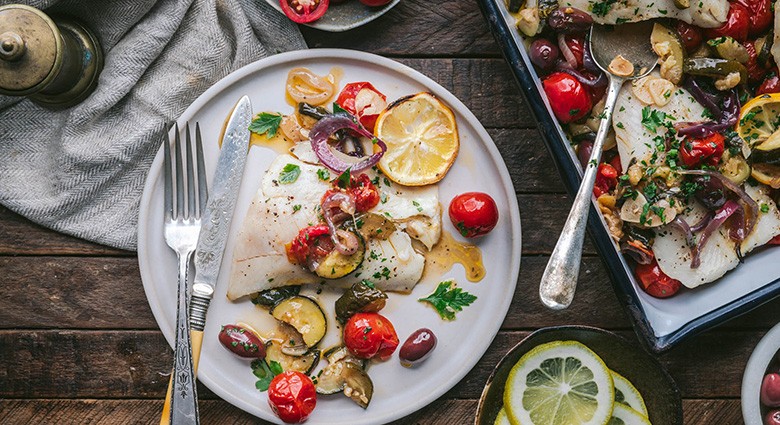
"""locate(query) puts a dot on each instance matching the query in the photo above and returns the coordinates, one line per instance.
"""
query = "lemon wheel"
(502, 418)
(422, 140)
(758, 125)
(627, 394)
(561, 382)
(624, 415)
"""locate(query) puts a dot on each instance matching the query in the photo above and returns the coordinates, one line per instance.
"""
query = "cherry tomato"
(606, 179)
(473, 214)
(770, 390)
(690, 36)
(375, 3)
(312, 243)
(770, 85)
(774, 241)
(655, 282)
(737, 24)
(707, 150)
(761, 15)
(369, 335)
(292, 396)
(756, 72)
(365, 193)
(304, 11)
(364, 101)
(570, 100)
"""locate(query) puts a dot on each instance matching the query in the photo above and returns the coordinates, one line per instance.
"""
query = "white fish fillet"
(718, 255)
(634, 140)
(260, 261)
(705, 14)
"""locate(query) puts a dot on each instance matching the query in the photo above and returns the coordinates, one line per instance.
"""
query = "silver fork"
(182, 226)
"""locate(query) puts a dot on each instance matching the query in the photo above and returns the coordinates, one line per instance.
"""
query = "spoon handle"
(559, 281)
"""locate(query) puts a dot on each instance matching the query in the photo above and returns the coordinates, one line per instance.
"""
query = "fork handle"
(197, 342)
(184, 398)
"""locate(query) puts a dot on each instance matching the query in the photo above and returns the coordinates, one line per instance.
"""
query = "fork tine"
(190, 177)
(179, 177)
(203, 190)
(168, 173)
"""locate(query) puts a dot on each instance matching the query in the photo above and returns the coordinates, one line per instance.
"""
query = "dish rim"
(623, 281)
(376, 12)
(306, 55)
(766, 349)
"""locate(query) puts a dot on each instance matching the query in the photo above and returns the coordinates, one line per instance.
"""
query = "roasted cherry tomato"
(364, 101)
(655, 282)
(312, 243)
(774, 241)
(756, 71)
(369, 335)
(292, 396)
(705, 150)
(761, 16)
(770, 85)
(606, 179)
(375, 3)
(365, 193)
(690, 36)
(473, 213)
(570, 100)
(304, 11)
(737, 24)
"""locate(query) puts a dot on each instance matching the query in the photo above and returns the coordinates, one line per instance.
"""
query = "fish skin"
(634, 140)
(719, 254)
(260, 259)
(705, 14)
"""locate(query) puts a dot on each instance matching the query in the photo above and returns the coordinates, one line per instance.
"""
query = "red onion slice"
(336, 207)
(566, 51)
(325, 127)
(717, 220)
(750, 203)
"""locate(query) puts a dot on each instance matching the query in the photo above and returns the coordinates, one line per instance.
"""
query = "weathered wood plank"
(416, 28)
(219, 412)
(135, 364)
(19, 236)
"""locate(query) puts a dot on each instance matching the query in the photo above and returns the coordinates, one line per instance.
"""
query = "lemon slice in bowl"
(627, 394)
(624, 415)
(561, 382)
(502, 418)
(422, 140)
(759, 121)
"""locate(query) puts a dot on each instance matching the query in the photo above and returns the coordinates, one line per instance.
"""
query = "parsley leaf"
(289, 174)
(323, 174)
(265, 373)
(344, 180)
(652, 118)
(448, 300)
(337, 108)
(266, 123)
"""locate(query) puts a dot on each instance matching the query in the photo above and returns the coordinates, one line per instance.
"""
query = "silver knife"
(215, 223)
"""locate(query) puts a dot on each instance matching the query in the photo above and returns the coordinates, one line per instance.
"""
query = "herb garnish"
(448, 300)
(266, 123)
(289, 174)
(265, 372)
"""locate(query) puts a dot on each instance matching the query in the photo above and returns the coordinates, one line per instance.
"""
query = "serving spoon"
(624, 53)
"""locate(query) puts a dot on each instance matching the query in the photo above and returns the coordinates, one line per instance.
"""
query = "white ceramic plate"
(755, 370)
(344, 16)
(398, 391)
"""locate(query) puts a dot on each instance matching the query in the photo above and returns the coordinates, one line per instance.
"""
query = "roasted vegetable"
(728, 48)
(362, 296)
(668, 46)
(763, 47)
(304, 364)
(303, 314)
(727, 73)
(269, 297)
(345, 373)
(336, 264)
(341, 352)
(292, 341)
(682, 4)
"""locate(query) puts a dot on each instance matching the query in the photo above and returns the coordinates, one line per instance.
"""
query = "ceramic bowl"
(756, 368)
(659, 390)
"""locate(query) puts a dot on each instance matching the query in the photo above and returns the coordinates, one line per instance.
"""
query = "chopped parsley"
(652, 118)
(289, 174)
(323, 174)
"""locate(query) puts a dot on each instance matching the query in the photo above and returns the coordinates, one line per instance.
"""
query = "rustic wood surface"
(79, 345)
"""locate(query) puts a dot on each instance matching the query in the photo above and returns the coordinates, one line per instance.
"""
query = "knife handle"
(197, 342)
(199, 305)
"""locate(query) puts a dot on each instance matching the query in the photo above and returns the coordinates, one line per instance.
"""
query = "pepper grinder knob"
(54, 61)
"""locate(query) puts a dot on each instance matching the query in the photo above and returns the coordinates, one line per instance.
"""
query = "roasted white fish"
(718, 255)
(279, 211)
(705, 14)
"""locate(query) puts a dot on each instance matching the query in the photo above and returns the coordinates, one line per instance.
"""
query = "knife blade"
(215, 223)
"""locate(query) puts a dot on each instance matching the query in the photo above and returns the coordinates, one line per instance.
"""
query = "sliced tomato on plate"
(364, 101)
(304, 11)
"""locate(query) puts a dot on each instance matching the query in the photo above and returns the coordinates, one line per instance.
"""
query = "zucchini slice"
(303, 314)
(269, 297)
(668, 46)
(345, 373)
(304, 364)
(362, 296)
(336, 264)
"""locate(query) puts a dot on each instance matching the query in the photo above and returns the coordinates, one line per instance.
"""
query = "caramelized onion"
(336, 207)
(332, 123)
(717, 220)
(750, 203)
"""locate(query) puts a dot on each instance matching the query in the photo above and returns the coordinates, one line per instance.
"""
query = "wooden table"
(79, 345)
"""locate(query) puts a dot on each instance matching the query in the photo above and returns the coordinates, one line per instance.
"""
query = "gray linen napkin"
(81, 171)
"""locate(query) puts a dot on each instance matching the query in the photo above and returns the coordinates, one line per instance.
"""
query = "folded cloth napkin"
(81, 171)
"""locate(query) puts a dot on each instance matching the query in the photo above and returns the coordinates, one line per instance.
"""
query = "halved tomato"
(304, 11)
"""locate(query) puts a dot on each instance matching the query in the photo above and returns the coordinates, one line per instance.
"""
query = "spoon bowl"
(623, 53)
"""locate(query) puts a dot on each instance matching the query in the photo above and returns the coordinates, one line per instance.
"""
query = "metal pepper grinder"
(55, 62)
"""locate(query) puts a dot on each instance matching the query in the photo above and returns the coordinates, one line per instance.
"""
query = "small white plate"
(344, 16)
(763, 354)
(398, 391)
